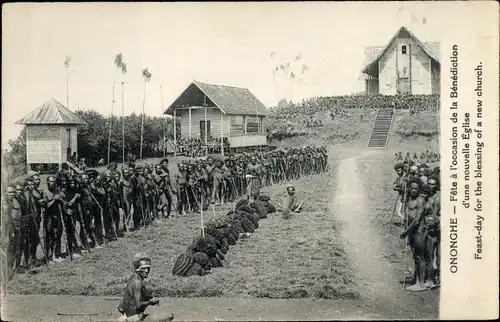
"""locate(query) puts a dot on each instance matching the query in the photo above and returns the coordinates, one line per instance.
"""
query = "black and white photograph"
(234, 161)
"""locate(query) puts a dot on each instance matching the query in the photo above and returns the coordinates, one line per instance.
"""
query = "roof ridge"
(220, 85)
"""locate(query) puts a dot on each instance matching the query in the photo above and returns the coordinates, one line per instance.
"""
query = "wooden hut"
(51, 134)
(231, 114)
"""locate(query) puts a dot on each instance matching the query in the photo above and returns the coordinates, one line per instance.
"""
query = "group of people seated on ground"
(337, 105)
(195, 147)
(418, 205)
(78, 212)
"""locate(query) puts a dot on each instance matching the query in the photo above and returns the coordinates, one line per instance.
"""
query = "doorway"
(202, 129)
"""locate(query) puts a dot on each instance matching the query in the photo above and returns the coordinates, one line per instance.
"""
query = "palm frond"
(67, 62)
(119, 60)
(146, 75)
(298, 57)
(272, 55)
(123, 68)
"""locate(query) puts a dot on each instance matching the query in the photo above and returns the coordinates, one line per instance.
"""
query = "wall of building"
(197, 115)
(43, 143)
(394, 61)
(421, 82)
(69, 140)
(234, 125)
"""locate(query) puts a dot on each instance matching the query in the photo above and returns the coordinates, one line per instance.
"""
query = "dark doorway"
(202, 129)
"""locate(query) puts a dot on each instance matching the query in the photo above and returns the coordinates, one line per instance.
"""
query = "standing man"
(53, 224)
(11, 216)
(400, 188)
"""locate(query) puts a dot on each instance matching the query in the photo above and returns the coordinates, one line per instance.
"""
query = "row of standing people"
(418, 205)
(79, 212)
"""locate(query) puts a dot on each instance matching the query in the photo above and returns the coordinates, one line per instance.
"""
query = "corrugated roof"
(373, 54)
(51, 112)
(229, 99)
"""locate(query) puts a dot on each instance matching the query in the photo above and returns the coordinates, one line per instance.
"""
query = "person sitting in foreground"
(137, 296)
(290, 204)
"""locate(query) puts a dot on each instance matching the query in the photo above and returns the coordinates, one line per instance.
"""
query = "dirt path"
(366, 242)
(367, 245)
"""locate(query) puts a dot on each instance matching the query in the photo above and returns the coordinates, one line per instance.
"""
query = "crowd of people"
(418, 205)
(339, 104)
(195, 147)
(81, 211)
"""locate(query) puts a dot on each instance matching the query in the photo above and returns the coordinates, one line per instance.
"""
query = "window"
(237, 125)
(252, 125)
(403, 50)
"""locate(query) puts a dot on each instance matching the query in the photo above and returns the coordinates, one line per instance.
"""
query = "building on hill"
(51, 134)
(404, 66)
(229, 113)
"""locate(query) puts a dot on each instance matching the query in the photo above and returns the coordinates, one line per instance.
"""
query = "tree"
(118, 63)
(67, 63)
(147, 78)
(275, 69)
(123, 68)
(292, 71)
(15, 157)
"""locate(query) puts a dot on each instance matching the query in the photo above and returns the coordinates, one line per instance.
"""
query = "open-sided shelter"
(51, 134)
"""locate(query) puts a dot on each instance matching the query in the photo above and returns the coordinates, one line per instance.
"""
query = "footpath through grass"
(299, 258)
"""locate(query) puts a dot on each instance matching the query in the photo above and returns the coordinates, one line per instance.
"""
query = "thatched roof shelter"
(51, 112)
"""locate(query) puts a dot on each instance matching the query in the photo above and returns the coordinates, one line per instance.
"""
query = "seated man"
(137, 296)
(290, 205)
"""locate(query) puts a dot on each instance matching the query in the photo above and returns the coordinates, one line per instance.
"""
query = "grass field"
(300, 258)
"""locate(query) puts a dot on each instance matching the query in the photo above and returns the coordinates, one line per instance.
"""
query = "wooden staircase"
(381, 128)
(74, 167)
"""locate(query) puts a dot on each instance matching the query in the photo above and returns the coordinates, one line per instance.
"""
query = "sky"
(218, 43)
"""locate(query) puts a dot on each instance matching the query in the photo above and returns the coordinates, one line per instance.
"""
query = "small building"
(229, 113)
(51, 134)
(404, 66)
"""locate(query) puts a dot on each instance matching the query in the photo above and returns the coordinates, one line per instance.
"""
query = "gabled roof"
(373, 54)
(230, 100)
(52, 112)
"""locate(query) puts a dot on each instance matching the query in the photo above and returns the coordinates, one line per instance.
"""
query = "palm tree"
(147, 78)
(67, 63)
(275, 69)
(120, 65)
(124, 71)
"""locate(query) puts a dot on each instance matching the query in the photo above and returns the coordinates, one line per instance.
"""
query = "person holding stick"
(400, 187)
(52, 220)
(89, 208)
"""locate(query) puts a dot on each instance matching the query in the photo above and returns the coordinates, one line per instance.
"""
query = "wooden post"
(190, 122)
(409, 53)
(175, 133)
(164, 126)
(206, 134)
(123, 127)
(221, 133)
(60, 149)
